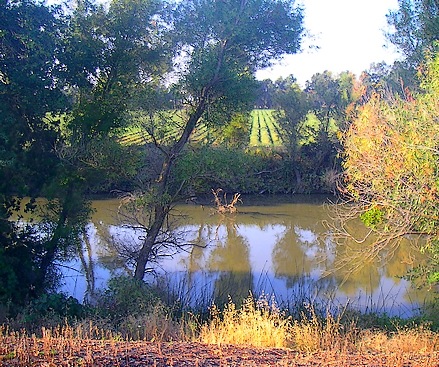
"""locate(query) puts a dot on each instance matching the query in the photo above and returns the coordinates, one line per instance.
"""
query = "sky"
(349, 34)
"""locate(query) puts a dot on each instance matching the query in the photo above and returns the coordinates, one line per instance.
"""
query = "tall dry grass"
(405, 340)
(313, 333)
(258, 323)
(262, 324)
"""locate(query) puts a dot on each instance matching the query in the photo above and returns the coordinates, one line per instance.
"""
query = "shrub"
(126, 296)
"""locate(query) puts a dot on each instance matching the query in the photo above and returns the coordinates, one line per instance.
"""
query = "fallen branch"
(222, 206)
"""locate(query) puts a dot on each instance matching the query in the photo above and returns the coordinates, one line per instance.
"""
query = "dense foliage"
(30, 96)
(62, 93)
(392, 168)
(219, 47)
(416, 24)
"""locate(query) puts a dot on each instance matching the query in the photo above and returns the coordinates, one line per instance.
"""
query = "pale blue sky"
(350, 34)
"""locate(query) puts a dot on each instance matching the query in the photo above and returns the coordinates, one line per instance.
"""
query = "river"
(279, 246)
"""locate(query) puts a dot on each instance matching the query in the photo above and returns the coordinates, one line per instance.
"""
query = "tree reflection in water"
(281, 249)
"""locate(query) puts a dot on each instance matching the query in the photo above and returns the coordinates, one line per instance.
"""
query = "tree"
(416, 25)
(114, 59)
(265, 94)
(312, 119)
(236, 132)
(30, 94)
(65, 83)
(329, 98)
(220, 46)
(109, 55)
(293, 108)
(391, 177)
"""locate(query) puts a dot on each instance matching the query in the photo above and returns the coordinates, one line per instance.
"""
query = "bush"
(126, 296)
(49, 310)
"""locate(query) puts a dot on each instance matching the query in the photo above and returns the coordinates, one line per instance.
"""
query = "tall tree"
(416, 25)
(113, 56)
(329, 97)
(220, 46)
(30, 90)
(109, 54)
(65, 82)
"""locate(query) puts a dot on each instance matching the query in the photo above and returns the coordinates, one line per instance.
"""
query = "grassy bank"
(257, 323)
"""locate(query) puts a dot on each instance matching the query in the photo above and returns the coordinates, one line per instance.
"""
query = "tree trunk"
(148, 244)
(161, 209)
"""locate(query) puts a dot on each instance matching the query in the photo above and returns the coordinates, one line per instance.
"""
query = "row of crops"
(264, 132)
(133, 135)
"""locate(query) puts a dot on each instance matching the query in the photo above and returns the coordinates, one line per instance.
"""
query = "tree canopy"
(416, 24)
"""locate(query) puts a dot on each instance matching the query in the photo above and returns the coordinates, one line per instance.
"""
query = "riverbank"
(56, 352)
(257, 333)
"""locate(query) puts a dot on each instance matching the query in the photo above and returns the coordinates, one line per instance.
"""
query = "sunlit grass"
(259, 323)
(256, 323)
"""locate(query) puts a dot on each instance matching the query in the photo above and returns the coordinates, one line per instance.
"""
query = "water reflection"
(282, 249)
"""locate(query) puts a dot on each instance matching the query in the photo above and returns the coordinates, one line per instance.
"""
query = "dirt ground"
(136, 354)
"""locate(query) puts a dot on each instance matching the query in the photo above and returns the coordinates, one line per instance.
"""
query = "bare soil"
(181, 354)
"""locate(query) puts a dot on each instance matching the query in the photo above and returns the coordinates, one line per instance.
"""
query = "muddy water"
(279, 247)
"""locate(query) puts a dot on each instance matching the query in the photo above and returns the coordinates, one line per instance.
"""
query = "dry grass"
(257, 323)
(415, 340)
(313, 334)
(260, 324)
(157, 325)
(263, 324)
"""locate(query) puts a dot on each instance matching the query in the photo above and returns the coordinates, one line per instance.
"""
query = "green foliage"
(12, 263)
(329, 97)
(105, 52)
(235, 133)
(28, 79)
(416, 25)
(389, 80)
(56, 305)
(65, 81)
(293, 109)
(257, 31)
(30, 91)
(231, 169)
(372, 217)
(124, 297)
(311, 122)
(235, 170)
(22, 277)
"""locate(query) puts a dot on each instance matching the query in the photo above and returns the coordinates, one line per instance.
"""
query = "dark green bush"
(126, 296)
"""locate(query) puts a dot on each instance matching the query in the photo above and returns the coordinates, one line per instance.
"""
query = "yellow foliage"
(391, 155)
